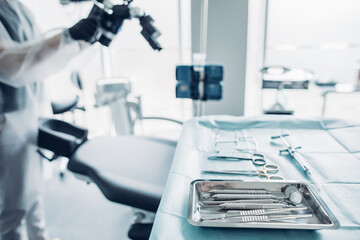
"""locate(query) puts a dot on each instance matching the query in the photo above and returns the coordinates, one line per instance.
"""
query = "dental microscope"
(115, 91)
(111, 18)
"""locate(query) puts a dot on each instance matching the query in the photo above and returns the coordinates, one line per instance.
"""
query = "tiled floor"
(75, 210)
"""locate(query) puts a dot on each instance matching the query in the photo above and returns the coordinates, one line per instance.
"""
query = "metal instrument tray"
(322, 217)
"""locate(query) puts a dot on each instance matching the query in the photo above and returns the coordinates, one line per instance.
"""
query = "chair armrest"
(60, 137)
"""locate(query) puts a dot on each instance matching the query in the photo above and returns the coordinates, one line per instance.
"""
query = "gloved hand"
(84, 30)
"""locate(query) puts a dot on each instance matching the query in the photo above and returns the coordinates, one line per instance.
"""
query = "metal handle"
(271, 168)
(259, 161)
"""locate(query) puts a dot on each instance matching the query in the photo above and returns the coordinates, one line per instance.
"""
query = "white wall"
(226, 45)
(255, 56)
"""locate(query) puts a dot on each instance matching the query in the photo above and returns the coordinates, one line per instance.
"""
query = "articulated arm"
(111, 18)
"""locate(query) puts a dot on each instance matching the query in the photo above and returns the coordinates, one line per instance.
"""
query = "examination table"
(330, 147)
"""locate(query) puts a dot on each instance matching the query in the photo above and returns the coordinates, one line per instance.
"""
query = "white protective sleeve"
(23, 63)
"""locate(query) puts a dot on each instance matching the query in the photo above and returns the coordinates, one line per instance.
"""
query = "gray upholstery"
(129, 170)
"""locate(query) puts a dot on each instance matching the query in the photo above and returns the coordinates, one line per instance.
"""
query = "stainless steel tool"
(293, 152)
(199, 207)
(258, 212)
(292, 196)
(256, 158)
(244, 191)
(218, 202)
(236, 205)
(237, 196)
(247, 219)
(265, 172)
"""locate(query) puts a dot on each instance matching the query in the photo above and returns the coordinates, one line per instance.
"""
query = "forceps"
(256, 158)
(268, 168)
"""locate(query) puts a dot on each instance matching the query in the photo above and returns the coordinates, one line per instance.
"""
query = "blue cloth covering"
(330, 147)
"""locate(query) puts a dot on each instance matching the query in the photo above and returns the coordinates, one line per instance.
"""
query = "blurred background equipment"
(199, 83)
(281, 78)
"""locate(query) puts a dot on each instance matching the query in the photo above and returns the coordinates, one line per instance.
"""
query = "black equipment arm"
(111, 18)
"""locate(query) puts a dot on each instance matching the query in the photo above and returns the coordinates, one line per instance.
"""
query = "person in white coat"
(27, 58)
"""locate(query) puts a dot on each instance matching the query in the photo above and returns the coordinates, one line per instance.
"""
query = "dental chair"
(129, 170)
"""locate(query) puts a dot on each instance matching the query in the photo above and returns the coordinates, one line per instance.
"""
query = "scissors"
(265, 172)
(256, 158)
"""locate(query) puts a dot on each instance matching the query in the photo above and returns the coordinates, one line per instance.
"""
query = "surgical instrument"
(268, 168)
(246, 191)
(295, 198)
(249, 206)
(247, 219)
(218, 202)
(290, 192)
(292, 196)
(256, 158)
(250, 145)
(242, 196)
(257, 212)
(247, 142)
(292, 151)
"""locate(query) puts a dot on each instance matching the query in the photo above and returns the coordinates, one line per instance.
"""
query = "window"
(321, 36)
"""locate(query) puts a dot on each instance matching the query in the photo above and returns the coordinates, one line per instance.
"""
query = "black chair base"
(140, 231)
